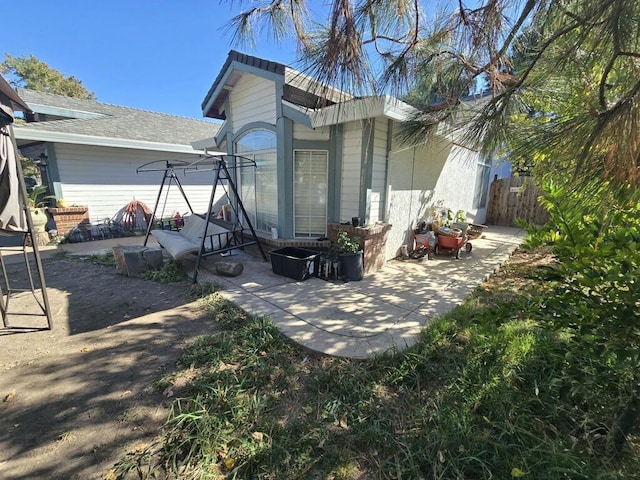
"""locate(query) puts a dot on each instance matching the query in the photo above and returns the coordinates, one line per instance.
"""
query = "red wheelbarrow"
(450, 244)
(451, 240)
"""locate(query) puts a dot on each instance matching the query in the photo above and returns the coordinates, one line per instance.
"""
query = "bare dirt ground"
(75, 399)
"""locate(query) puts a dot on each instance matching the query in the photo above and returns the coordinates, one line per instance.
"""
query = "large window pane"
(310, 190)
(483, 173)
(259, 188)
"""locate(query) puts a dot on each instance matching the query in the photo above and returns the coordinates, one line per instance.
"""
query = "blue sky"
(159, 55)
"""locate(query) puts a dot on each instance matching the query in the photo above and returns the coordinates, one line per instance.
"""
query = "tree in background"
(34, 74)
(570, 67)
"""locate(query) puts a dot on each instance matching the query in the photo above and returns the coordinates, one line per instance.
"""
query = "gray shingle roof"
(116, 121)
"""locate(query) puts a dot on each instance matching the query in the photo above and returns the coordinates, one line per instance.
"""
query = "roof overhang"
(234, 65)
(362, 109)
(31, 135)
(205, 143)
(350, 111)
(298, 88)
(63, 112)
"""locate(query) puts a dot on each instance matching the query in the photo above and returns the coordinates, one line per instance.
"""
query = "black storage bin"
(296, 263)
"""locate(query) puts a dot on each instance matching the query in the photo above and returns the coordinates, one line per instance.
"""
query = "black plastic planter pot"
(296, 263)
(351, 266)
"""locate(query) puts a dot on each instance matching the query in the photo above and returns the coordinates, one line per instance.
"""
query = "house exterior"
(89, 153)
(324, 157)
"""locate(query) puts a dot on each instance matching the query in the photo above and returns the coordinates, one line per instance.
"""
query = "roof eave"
(236, 60)
(64, 112)
(9, 96)
(362, 109)
(30, 134)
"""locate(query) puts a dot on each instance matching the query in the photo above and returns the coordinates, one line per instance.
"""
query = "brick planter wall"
(373, 240)
(70, 217)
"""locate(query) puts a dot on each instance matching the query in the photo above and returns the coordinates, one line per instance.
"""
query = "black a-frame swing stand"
(236, 236)
(169, 177)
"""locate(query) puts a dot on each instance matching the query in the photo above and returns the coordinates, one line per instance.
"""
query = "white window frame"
(326, 192)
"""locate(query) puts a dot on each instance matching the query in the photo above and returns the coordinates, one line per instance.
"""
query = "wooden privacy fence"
(513, 198)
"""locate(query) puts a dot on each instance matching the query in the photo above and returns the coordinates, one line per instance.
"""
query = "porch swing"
(207, 234)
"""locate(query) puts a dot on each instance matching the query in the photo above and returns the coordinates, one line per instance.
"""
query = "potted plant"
(350, 256)
(38, 207)
(460, 222)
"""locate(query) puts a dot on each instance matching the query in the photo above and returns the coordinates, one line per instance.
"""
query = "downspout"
(366, 175)
(53, 173)
(385, 213)
(336, 146)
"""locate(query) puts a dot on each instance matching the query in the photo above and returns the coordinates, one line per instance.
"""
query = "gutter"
(22, 133)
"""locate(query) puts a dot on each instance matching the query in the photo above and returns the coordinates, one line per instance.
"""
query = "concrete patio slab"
(385, 311)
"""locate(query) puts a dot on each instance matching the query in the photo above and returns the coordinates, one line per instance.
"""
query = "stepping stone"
(134, 260)
(229, 269)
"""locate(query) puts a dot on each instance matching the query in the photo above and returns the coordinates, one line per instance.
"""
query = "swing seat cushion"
(189, 238)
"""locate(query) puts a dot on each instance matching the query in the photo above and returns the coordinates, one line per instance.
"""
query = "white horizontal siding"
(351, 170)
(300, 132)
(105, 180)
(253, 99)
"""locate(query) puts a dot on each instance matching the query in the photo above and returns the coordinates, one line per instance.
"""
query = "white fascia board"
(76, 139)
(397, 110)
(204, 143)
(362, 109)
(64, 112)
(213, 153)
(297, 113)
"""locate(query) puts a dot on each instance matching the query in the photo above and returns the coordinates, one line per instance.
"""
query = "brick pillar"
(70, 217)
(373, 241)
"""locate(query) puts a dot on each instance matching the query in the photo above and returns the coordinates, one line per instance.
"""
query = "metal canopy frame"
(29, 241)
(210, 162)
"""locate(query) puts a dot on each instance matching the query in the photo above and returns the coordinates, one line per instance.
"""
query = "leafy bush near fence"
(595, 301)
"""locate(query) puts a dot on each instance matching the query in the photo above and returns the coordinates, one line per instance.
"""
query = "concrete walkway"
(386, 310)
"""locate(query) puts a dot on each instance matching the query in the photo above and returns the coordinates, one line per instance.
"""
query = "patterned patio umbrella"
(12, 215)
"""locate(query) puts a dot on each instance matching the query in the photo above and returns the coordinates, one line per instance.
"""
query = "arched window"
(259, 188)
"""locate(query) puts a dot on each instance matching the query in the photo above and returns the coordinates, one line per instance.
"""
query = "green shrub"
(595, 234)
(346, 244)
(171, 272)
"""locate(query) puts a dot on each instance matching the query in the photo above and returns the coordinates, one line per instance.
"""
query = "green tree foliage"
(577, 58)
(34, 74)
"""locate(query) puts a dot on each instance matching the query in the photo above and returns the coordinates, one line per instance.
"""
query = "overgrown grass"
(106, 259)
(171, 272)
(490, 391)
